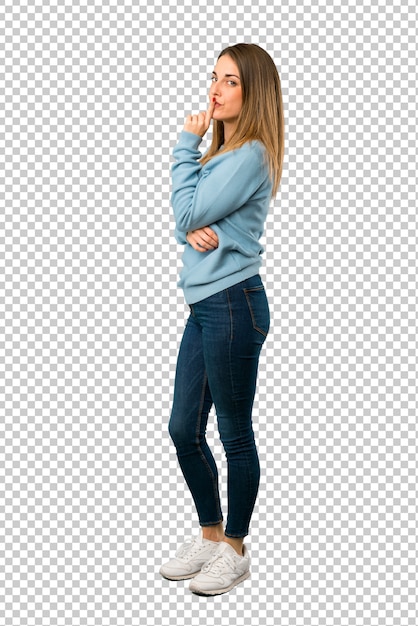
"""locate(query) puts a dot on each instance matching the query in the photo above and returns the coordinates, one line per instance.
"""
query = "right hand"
(199, 124)
(203, 239)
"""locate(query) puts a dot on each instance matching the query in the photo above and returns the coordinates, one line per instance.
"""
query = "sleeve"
(202, 196)
(179, 236)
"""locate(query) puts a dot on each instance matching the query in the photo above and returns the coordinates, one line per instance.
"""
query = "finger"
(202, 245)
(211, 107)
(212, 236)
(209, 112)
(196, 243)
(201, 118)
(205, 237)
(210, 242)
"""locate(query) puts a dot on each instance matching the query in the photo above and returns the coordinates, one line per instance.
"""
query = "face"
(227, 91)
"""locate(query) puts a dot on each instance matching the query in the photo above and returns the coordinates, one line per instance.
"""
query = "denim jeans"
(217, 364)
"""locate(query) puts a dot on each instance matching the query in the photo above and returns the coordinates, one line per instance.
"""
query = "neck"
(229, 130)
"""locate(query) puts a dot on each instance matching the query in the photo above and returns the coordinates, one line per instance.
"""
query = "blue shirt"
(231, 194)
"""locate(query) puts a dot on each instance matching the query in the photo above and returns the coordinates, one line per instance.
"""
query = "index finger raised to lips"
(209, 112)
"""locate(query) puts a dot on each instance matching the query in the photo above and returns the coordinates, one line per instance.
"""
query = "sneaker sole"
(218, 592)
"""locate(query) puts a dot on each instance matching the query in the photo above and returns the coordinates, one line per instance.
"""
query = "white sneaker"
(222, 572)
(189, 559)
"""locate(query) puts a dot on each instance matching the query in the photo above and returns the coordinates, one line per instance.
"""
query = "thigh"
(235, 326)
(191, 400)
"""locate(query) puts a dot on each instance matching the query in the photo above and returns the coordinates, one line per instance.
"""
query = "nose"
(214, 90)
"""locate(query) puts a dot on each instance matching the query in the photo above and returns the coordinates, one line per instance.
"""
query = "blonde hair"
(261, 117)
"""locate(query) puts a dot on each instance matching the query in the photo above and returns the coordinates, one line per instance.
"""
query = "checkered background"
(93, 95)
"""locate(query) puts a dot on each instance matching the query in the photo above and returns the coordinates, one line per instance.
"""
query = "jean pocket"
(259, 308)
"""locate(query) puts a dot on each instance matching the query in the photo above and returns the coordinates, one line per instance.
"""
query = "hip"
(235, 310)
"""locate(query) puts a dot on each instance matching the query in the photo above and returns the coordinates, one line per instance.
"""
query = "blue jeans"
(218, 363)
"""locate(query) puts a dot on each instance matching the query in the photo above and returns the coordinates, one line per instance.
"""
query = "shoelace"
(217, 562)
(188, 550)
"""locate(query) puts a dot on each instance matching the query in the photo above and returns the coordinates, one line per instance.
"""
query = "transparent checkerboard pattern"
(92, 499)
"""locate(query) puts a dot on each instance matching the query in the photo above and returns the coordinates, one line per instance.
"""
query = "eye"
(213, 79)
(232, 83)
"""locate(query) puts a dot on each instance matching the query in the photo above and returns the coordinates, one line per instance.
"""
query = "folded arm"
(203, 239)
(203, 196)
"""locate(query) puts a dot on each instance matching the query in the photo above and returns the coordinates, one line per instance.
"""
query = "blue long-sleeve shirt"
(231, 194)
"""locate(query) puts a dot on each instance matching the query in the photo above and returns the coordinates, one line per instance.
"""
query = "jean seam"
(231, 319)
(198, 422)
(247, 461)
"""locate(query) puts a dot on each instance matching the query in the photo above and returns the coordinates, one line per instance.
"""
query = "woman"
(220, 204)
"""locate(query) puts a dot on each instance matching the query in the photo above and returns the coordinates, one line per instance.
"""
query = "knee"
(173, 429)
(178, 432)
(238, 444)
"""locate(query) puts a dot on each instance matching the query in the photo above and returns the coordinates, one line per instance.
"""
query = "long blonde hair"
(261, 116)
